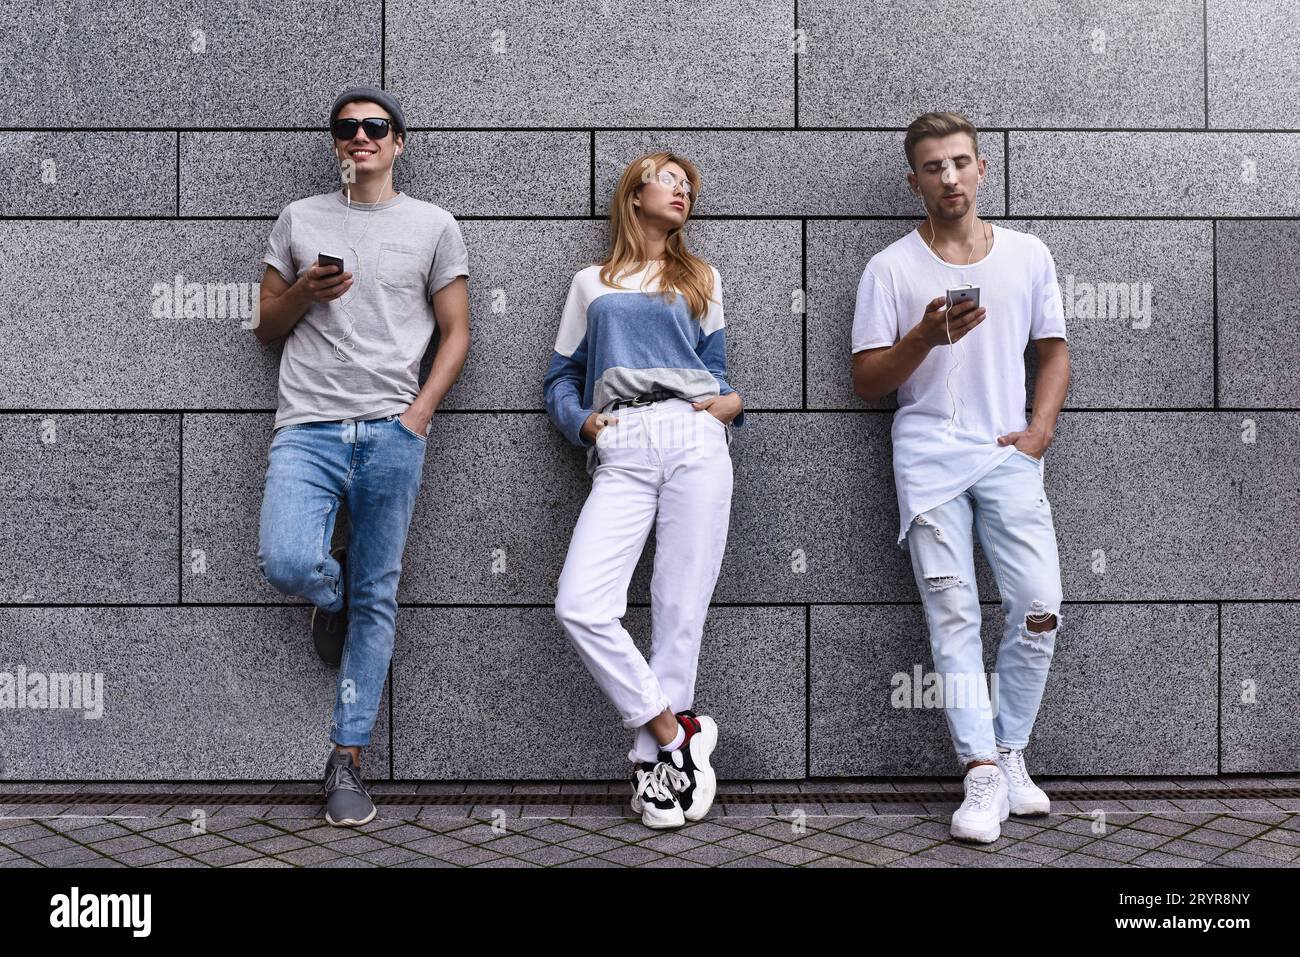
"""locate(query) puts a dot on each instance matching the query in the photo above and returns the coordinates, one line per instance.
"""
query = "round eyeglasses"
(668, 180)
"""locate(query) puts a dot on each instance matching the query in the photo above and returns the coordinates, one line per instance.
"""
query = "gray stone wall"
(1153, 145)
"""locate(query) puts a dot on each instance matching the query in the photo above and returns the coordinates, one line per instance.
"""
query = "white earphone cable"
(341, 356)
(959, 353)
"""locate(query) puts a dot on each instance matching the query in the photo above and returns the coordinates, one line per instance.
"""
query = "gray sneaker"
(347, 803)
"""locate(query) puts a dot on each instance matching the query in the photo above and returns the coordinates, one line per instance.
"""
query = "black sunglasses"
(376, 128)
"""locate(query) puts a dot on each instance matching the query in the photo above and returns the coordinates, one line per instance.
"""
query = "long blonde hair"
(681, 270)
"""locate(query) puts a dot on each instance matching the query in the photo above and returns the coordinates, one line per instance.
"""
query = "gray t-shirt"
(400, 252)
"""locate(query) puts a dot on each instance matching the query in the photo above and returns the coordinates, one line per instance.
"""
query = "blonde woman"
(638, 378)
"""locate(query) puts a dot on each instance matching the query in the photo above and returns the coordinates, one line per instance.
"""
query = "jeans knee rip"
(940, 582)
(1039, 614)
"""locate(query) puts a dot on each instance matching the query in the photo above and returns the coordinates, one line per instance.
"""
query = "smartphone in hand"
(964, 293)
(325, 259)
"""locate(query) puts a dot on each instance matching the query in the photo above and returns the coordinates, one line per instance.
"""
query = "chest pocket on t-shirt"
(400, 267)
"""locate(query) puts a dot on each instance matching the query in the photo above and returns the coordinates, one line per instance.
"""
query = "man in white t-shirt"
(964, 454)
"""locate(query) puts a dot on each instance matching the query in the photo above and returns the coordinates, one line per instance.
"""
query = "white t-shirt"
(1017, 281)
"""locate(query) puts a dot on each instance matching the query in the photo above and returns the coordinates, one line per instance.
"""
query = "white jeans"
(666, 458)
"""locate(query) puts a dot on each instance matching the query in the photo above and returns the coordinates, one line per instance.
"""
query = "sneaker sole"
(1032, 810)
(662, 825)
(706, 779)
(352, 822)
(639, 809)
(981, 837)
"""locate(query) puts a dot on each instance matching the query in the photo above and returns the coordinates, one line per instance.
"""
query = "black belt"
(645, 398)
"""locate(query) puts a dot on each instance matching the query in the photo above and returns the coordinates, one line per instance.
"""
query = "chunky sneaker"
(692, 760)
(654, 794)
(986, 806)
(1026, 797)
(329, 630)
(347, 803)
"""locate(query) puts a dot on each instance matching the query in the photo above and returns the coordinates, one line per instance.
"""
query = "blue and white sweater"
(616, 342)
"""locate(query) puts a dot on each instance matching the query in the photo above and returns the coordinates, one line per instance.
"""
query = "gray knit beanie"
(373, 95)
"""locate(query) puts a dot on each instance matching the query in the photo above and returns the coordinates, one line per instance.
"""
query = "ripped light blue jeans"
(376, 466)
(1013, 518)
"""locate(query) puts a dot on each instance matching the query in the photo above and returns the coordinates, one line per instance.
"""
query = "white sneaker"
(1026, 797)
(654, 794)
(986, 806)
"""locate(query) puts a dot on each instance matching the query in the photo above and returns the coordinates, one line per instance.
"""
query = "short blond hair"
(940, 125)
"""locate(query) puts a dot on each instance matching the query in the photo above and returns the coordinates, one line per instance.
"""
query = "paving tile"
(1265, 848)
(436, 845)
(1284, 835)
(1163, 825)
(312, 856)
(630, 855)
(792, 854)
(1056, 838)
(548, 855)
(357, 845)
(911, 843)
(1181, 847)
(1240, 858)
(120, 845)
(873, 854)
(826, 843)
(831, 861)
(748, 843)
(589, 862)
(229, 855)
(263, 862)
(670, 842)
(1137, 838)
(388, 856)
(280, 844)
(39, 845)
(347, 862)
(1112, 850)
(959, 854)
(75, 856)
(557, 832)
(1076, 859)
(181, 862)
(1215, 838)
(146, 856)
(469, 856)
(918, 861)
(754, 860)
(1038, 853)
(1239, 825)
(514, 845)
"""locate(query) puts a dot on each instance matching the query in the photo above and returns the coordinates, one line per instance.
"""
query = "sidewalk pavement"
(1226, 821)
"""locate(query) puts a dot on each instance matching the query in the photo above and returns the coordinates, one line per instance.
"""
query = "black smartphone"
(325, 259)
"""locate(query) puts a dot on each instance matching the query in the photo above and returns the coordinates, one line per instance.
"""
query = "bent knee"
(289, 574)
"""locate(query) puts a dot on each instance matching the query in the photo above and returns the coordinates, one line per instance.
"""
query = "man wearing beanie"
(352, 419)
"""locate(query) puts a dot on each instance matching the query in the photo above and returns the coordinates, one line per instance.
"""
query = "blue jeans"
(377, 466)
(1013, 519)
